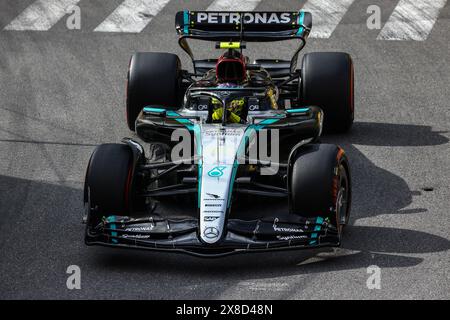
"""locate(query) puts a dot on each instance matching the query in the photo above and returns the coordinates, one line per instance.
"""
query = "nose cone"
(220, 146)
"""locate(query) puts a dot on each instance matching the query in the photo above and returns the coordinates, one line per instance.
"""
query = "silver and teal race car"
(229, 131)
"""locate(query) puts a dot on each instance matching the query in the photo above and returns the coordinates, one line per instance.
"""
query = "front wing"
(182, 235)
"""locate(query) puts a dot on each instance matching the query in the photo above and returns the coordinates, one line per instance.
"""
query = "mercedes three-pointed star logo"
(211, 232)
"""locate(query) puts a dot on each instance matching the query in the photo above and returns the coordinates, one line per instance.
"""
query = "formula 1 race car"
(228, 132)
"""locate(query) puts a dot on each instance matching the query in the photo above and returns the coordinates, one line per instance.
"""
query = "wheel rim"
(342, 198)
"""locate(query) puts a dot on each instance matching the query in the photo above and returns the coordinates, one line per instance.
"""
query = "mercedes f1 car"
(208, 134)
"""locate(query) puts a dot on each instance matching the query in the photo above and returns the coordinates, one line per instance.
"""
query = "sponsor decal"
(253, 107)
(215, 196)
(136, 236)
(248, 17)
(202, 107)
(291, 237)
(140, 229)
(216, 172)
(283, 229)
(211, 232)
(210, 218)
(223, 133)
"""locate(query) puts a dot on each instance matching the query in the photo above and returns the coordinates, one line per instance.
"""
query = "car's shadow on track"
(40, 235)
(389, 193)
(376, 191)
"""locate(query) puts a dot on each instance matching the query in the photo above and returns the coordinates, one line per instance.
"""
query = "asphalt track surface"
(62, 92)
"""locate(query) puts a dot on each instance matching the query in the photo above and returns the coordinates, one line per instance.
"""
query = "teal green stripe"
(172, 113)
(150, 109)
(186, 22)
(233, 176)
(110, 220)
(200, 172)
(197, 134)
(301, 19)
(319, 222)
(184, 121)
(300, 110)
(317, 228)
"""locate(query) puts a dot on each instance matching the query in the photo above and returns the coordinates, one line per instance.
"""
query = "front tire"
(320, 183)
(108, 182)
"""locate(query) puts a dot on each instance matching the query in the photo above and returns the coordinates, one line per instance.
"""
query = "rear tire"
(153, 79)
(320, 183)
(108, 181)
(327, 81)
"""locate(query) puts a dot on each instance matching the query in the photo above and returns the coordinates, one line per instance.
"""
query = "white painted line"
(412, 20)
(233, 5)
(132, 16)
(326, 15)
(41, 15)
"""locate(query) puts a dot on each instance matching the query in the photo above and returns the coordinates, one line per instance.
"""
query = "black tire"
(318, 174)
(153, 79)
(108, 179)
(327, 81)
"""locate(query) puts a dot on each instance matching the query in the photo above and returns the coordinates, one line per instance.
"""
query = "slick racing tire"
(327, 81)
(153, 79)
(108, 181)
(320, 183)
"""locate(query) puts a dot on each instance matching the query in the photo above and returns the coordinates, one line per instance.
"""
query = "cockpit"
(232, 89)
(230, 104)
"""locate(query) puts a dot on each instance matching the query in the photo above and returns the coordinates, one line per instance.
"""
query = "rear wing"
(243, 26)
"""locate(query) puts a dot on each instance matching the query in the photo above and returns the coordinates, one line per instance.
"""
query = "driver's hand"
(217, 114)
(231, 116)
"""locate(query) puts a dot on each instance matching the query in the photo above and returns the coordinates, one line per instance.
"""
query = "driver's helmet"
(230, 67)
